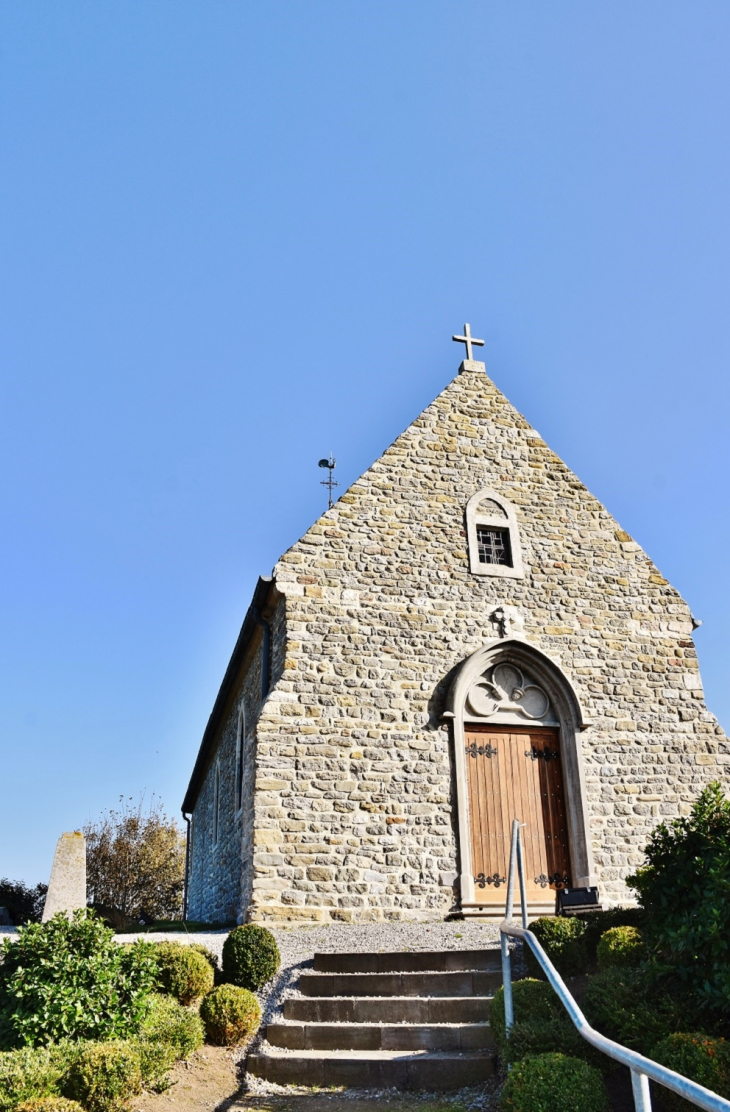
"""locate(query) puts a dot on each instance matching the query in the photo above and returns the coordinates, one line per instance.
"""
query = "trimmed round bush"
(562, 939)
(552, 1083)
(230, 1014)
(49, 1104)
(598, 922)
(103, 1076)
(620, 946)
(209, 956)
(174, 1025)
(250, 956)
(541, 1023)
(184, 972)
(701, 1058)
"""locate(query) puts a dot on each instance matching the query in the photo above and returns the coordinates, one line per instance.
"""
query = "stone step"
(387, 1009)
(456, 983)
(376, 1036)
(370, 1069)
(417, 961)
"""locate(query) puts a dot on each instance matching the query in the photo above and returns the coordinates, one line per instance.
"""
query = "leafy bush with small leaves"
(230, 1014)
(598, 922)
(690, 855)
(209, 956)
(49, 1104)
(184, 972)
(562, 939)
(540, 1021)
(250, 956)
(28, 1074)
(552, 1083)
(170, 1023)
(620, 946)
(155, 1059)
(624, 1004)
(68, 979)
(103, 1076)
(698, 1057)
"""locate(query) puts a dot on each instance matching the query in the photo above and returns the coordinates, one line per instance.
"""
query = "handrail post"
(509, 1014)
(640, 1087)
(521, 872)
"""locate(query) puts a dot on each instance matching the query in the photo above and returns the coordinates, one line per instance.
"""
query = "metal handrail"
(642, 1069)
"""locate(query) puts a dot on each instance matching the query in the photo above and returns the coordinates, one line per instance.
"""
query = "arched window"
(493, 536)
(240, 740)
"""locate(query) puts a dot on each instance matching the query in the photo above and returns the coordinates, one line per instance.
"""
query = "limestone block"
(67, 886)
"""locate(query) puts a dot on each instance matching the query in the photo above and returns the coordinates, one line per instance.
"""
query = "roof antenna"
(329, 482)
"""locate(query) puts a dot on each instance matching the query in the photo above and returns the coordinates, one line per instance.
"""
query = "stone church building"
(465, 638)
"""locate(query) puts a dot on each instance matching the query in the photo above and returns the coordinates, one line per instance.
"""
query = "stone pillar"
(67, 887)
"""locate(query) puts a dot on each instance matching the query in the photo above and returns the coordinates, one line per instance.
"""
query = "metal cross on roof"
(468, 339)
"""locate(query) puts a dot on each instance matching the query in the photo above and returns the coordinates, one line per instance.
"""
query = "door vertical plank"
(508, 785)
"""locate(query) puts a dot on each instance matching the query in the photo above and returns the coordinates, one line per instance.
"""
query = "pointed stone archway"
(509, 698)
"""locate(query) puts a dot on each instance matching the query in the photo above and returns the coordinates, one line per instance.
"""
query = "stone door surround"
(509, 680)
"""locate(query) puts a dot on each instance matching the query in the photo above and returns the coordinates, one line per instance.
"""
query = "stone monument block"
(67, 887)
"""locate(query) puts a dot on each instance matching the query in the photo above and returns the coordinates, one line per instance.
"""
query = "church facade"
(465, 638)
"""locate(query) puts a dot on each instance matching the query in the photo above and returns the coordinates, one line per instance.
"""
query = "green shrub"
(552, 1083)
(620, 946)
(626, 1005)
(69, 979)
(698, 1057)
(103, 1076)
(598, 922)
(170, 1023)
(155, 1059)
(184, 972)
(209, 956)
(561, 937)
(250, 956)
(230, 1015)
(690, 856)
(28, 1074)
(540, 1022)
(49, 1104)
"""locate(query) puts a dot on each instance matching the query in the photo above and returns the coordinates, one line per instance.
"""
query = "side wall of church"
(219, 878)
(354, 803)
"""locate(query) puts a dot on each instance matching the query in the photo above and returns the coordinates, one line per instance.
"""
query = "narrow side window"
(216, 801)
(240, 740)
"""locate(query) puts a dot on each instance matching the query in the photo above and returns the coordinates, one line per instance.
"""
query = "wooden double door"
(515, 772)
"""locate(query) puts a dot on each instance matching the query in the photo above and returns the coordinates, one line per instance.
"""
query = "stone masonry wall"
(217, 871)
(354, 804)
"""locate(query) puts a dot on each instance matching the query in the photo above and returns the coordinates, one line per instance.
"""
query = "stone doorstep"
(373, 1068)
(387, 1009)
(457, 983)
(417, 961)
(376, 1036)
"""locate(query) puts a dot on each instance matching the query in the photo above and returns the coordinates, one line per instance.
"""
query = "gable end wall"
(354, 807)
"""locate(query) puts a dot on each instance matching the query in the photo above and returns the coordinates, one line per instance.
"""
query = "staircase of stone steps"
(415, 1020)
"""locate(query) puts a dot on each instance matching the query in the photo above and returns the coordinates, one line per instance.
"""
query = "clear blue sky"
(236, 236)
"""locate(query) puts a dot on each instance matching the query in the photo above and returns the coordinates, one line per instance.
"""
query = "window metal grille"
(493, 546)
